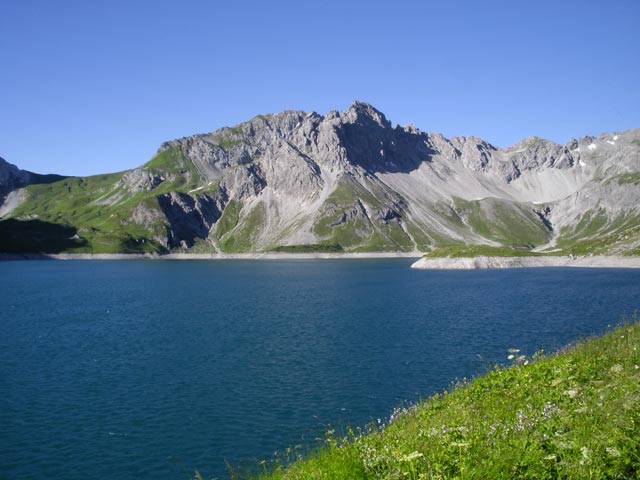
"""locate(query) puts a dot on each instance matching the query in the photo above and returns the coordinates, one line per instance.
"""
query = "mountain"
(346, 181)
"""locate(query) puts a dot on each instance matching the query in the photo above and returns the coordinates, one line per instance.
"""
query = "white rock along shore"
(526, 262)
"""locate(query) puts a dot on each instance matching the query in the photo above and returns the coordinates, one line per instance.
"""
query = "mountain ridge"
(351, 181)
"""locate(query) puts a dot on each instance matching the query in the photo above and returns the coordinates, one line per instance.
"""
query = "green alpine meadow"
(573, 414)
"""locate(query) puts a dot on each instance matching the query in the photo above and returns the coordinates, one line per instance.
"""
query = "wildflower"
(511, 356)
(617, 368)
(586, 459)
(412, 456)
(612, 451)
(551, 457)
(549, 410)
(573, 393)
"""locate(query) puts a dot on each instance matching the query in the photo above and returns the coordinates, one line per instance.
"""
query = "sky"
(90, 87)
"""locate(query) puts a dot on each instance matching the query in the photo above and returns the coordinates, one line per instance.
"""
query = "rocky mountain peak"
(11, 177)
(365, 114)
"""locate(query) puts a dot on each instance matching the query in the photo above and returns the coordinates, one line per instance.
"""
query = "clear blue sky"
(95, 86)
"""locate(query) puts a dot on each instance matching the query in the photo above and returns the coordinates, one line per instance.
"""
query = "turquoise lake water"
(152, 369)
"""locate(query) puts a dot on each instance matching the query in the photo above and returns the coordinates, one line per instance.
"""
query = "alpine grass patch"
(574, 414)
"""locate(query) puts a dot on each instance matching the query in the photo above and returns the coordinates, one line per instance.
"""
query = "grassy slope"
(360, 233)
(597, 233)
(508, 223)
(575, 414)
(80, 202)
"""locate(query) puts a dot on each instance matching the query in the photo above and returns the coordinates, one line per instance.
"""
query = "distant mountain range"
(346, 181)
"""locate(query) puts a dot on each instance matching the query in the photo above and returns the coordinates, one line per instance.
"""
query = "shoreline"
(482, 262)
(207, 256)
(421, 263)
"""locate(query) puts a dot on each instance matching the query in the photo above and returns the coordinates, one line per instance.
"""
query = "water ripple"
(154, 369)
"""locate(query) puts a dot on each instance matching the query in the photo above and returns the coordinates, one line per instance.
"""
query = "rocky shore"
(526, 262)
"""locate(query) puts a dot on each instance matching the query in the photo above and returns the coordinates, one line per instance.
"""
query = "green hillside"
(575, 414)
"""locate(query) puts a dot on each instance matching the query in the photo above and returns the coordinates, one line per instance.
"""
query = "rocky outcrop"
(189, 217)
(140, 179)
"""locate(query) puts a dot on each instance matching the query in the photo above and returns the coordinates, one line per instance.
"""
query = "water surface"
(151, 369)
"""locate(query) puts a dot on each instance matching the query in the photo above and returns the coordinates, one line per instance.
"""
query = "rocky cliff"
(352, 181)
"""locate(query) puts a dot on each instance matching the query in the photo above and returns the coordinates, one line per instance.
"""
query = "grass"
(464, 251)
(105, 229)
(83, 204)
(357, 232)
(628, 179)
(502, 221)
(599, 234)
(308, 248)
(238, 233)
(575, 414)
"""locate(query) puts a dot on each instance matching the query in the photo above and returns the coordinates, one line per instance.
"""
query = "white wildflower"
(612, 451)
(617, 368)
(412, 456)
(549, 410)
(573, 393)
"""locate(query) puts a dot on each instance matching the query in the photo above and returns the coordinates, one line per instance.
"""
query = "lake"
(152, 369)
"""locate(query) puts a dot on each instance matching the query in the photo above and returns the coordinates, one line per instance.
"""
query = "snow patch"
(610, 142)
(615, 137)
(592, 146)
(582, 164)
(200, 188)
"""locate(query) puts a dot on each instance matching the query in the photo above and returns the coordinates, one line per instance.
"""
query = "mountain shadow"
(372, 143)
(36, 236)
(38, 178)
